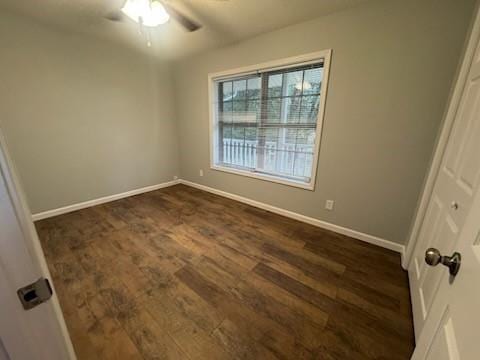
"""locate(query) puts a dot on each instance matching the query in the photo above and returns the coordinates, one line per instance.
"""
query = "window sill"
(264, 177)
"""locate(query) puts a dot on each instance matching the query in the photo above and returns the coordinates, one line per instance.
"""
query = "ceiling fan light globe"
(149, 14)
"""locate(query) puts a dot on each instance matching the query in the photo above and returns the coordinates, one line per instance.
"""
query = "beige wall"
(83, 118)
(392, 67)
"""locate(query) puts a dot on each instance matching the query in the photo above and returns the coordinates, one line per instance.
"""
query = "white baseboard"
(309, 220)
(102, 200)
(404, 259)
(290, 214)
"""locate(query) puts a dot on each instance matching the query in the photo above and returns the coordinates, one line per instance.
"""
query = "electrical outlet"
(201, 172)
(329, 205)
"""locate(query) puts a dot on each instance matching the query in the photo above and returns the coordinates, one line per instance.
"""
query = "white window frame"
(295, 61)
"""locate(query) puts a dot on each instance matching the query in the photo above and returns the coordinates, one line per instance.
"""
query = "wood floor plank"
(275, 337)
(107, 336)
(295, 287)
(395, 319)
(304, 321)
(238, 344)
(326, 288)
(82, 342)
(151, 340)
(371, 337)
(206, 289)
(318, 268)
(179, 273)
(190, 305)
(182, 328)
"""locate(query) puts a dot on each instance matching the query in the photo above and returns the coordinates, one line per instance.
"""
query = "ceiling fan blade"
(115, 16)
(183, 20)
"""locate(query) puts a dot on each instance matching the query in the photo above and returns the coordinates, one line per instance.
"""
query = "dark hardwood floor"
(179, 273)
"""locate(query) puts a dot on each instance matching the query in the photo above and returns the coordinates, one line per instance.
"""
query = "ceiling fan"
(152, 13)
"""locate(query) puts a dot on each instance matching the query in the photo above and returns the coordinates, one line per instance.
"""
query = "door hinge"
(35, 293)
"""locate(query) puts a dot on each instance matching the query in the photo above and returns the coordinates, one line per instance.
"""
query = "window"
(267, 119)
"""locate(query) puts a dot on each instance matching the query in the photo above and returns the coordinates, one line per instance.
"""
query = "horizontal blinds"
(267, 121)
(259, 72)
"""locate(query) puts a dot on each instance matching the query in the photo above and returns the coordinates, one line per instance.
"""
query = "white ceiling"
(224, 21)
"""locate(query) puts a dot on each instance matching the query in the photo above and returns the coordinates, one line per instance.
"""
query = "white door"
(40, 332)
(451, 200)
(451, 330)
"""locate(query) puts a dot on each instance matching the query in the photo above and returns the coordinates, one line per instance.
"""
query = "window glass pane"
(274, 109)
(293, 83)
(249, 150)
(239, 89)
(227, 91)
(239, 111)
(292, 109)
(286, 151)
(228, 106)
(224, 143)
(225, 113)
(239, 106)
(271, 136)
(253, 88)
(253, 111)
(268, 149)
(238, 133)
(309, 109)
(227, 133)
(251, 135)
(306, 138)
(312, 81)
(305, 144)
(290, 136)
(275, 85)
(241, 149)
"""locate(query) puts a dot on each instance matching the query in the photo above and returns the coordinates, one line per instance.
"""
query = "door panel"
(38, 333)
(459, 132)
(469, 163)
(444, 345)
(429, 231)
(451, 199)
(431, 279)
(451, 330)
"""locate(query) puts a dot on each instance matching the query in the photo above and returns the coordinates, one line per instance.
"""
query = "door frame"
(442, 139)
(32, 243)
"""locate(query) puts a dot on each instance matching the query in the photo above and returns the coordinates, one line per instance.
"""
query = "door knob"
(433, 258)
